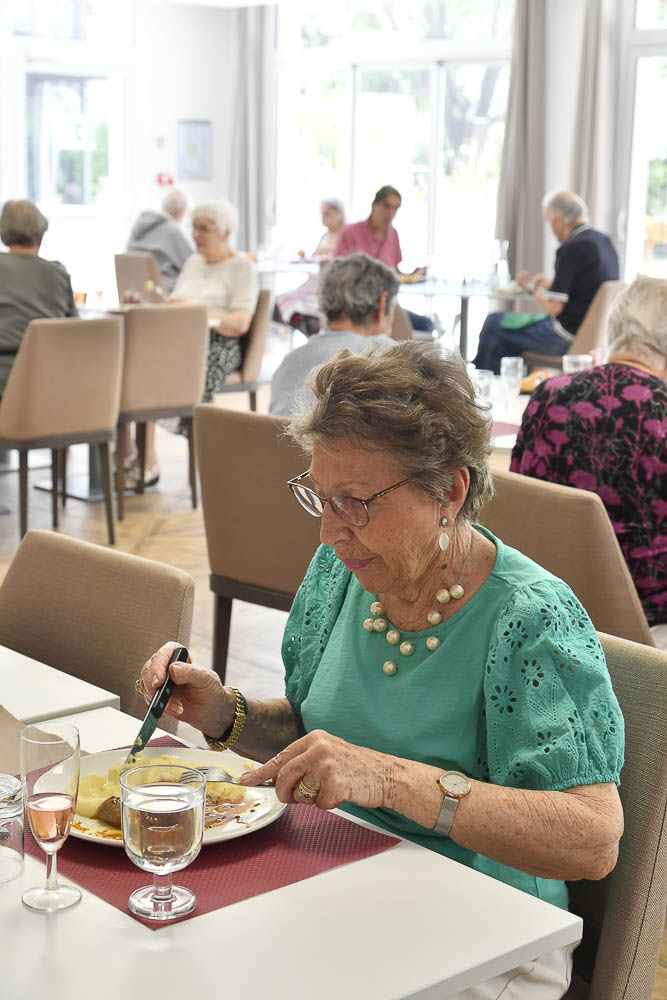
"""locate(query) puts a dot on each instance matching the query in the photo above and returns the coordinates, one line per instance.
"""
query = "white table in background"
(33, 691)
(403, 923)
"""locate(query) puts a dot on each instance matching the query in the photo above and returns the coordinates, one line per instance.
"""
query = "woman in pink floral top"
(605, 430)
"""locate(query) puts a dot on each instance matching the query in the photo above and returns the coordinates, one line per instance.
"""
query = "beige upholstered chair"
(401, 327)
(624, 914)
(163, 376)
(259, 540)
(252, 347)
(138, 272)
(63, 389)
(591, 334)
(92, 612)
(568, 531)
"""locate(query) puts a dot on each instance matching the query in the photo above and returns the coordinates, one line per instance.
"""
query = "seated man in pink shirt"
(377, 237)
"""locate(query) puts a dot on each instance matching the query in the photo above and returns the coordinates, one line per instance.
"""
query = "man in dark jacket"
(159, 233)
(584, 259)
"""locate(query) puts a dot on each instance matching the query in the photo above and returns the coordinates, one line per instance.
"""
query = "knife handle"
(164, 692)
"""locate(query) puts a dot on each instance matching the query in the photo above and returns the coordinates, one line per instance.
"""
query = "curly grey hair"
(638, 319)
(221, 213)
(571, 206)
(351, 287)
(415, 403)
(174, 201)
(22, 224)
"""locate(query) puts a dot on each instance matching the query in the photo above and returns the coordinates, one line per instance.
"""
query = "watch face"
(455, 783)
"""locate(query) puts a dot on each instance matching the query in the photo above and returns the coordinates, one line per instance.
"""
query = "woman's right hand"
(199, 697)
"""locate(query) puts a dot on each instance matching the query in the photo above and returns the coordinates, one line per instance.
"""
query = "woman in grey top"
(30, 287)
(357, 296)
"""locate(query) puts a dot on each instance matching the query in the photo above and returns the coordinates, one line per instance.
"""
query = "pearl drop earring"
(443, 538)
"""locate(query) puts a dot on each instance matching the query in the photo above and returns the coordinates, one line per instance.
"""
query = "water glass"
(511, 375)
(11, 827)
(482, 381)
(577, 363)
(162, 815)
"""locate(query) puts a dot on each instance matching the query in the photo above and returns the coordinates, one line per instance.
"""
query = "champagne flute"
(162, 815)
(50, 775)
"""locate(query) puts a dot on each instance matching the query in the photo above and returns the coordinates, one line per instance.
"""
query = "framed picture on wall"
(194, 150)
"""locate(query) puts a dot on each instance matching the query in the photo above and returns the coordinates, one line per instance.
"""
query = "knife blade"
(155, 709)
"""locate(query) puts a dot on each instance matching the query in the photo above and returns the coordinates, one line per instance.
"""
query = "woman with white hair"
(605, 430)
(223, 281)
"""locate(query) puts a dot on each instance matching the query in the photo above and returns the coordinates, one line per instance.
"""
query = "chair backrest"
(166, 347)
(65, 379)
(401, 327)
(92, 612)
(256, 531)
(138, 272)
(624, 914)
(593, 330)
(254, 342)
(568, 531)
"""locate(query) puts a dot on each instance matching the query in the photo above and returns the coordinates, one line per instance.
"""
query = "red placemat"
(500, 428)
(304, 841)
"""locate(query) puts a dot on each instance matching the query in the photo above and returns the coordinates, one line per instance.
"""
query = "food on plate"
(109, 811)
(531, 382)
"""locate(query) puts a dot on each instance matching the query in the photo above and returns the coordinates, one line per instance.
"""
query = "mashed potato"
(95, 788)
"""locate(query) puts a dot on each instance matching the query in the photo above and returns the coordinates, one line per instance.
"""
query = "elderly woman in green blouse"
(438, 683)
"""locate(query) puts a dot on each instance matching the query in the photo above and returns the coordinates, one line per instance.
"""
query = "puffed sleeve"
(552, 720)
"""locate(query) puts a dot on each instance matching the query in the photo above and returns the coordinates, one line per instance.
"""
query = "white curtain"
(522, 176)
(591, 173)
(252, 138)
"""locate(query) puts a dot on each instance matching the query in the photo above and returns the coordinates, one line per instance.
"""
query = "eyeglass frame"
(292, 483)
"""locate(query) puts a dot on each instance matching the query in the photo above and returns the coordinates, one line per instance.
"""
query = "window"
(67, 139)
(410, 93)
(72, 20)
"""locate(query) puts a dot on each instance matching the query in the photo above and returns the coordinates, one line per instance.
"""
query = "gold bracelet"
(232, 734)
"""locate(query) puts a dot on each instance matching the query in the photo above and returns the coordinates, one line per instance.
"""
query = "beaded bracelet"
(233, 732)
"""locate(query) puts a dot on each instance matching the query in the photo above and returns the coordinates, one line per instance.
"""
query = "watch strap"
(443, 824)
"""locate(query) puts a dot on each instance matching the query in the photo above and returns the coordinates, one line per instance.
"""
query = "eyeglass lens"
(349, 509)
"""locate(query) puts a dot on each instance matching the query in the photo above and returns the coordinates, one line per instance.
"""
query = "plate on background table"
(265, 806)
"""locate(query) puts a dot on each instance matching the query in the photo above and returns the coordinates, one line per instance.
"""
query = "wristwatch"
(455, 786)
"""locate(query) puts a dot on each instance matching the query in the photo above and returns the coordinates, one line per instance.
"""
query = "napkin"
(10, 731)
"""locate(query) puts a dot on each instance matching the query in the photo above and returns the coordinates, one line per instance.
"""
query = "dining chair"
(92, 612)
(568, 531)
(63, 389)
(401, 327)
(166, 347)
(252, 349)
(591, 334)
(624, 914)
(259, 540)
(138, 272)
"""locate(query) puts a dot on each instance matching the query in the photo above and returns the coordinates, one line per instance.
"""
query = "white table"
(33, 691)
(403, 923)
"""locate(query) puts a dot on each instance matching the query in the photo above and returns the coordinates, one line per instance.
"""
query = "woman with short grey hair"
(357, 296)
(31, 287)
(605, 430)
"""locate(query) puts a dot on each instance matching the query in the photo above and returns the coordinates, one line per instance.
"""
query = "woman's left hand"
(335, 770)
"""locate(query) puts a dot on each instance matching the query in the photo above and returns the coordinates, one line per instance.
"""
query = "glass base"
(50, 900)
(145, 903)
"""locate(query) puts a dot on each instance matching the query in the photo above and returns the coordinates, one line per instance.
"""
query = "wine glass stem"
(162, 893)
(51, 871)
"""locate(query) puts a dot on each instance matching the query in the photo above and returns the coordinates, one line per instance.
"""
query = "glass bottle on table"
(50, 776)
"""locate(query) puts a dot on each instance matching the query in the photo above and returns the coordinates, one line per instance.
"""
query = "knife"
(155, 709)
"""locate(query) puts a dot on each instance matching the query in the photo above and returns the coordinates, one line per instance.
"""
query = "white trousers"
(548, 978)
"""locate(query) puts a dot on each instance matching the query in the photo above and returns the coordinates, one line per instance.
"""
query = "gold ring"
(306, 792)
(139, 685)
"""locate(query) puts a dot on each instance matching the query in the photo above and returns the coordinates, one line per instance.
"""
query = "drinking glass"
(11, 827)
(482, 380)
(577, 363)
(162, 814)
(511, 375)
(50, 775)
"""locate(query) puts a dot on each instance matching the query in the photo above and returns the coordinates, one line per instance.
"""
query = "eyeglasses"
(202, 227)
(349, 509)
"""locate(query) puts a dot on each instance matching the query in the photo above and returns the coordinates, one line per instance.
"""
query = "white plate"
(268, 809)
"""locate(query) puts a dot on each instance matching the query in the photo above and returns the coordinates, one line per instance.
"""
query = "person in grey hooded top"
(159, 233)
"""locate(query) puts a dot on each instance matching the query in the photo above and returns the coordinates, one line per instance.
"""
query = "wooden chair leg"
(221, 627)
(63, 475)
(189, 423)
(120, 471)
(23, 493)
(55, 486)
(141, 448)
(105, 458)
(253, 401)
